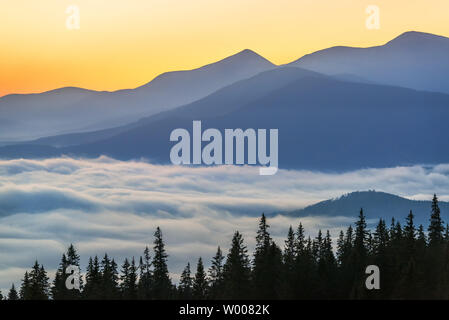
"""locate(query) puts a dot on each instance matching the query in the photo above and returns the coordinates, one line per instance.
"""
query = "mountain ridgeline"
(375, 205)
(414, 60)
(69, 110)
(332, 120)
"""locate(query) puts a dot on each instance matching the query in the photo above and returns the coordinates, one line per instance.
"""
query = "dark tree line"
(413, 265)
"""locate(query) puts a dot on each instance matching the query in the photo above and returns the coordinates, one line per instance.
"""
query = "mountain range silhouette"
(337, 109)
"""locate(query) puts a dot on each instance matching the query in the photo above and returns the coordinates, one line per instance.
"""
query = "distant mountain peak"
(416, 37)
(245, 56)
(57, 91)
(415, 60)
(375, 205)
(420, 34)
(242, 57)
(249, 53)
(354, 194)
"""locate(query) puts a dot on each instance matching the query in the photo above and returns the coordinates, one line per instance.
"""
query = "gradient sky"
(124, 44)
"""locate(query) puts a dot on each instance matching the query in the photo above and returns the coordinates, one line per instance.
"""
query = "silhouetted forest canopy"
(413, 263)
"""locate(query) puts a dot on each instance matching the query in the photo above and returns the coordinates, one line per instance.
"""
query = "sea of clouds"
(104, 205)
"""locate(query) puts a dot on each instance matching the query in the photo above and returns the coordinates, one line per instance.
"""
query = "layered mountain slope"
(324, 123)
(414, 60)
(67, 110)
(375, 205)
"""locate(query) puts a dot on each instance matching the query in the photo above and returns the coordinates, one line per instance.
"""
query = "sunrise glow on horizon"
(124, 44)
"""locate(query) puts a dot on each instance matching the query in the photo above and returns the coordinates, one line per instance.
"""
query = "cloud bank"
(107, 205)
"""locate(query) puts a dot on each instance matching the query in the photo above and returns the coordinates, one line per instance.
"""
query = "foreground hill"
(375, 205)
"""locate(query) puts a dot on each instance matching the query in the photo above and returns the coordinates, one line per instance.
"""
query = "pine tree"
(73, 259)
(128, 285)
(341, 248)
(146, 275)
(12, 295)
(420, 258)
(327, 267)
(260, 262)
(38, 286)
(435, 257)
(109, 279)
(289, 249)
(330, 260)
(216, 275)
(358, 258)
(318, 246)
(361, 235)
(266, 280)
(263, 238)
(59, 290)
(398, 236)
(25, 292)
(422, 239)
(436, 228)
(300, 242)
(44, 284)
(185, 284)
(132, 287)
(328, 253)
(92, 289)
(380, 241)
(306, 273)
(275, 267)
(411, 285)
(349, 240)
(289, 259)
(370, 243)
(444, 279)
(410, 235)
(124, 278)
(200, 287)
(161, 282)
(392, 261)
(237, 270)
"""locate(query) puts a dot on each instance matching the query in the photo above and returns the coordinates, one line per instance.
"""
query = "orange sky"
(126, 43)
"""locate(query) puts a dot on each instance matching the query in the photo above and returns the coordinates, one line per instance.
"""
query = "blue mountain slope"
(223, 101)
(413, 60)
(68, 110)
(324, 123)
(375, 205)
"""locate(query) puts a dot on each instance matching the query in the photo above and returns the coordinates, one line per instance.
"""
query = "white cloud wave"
(114, 206)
